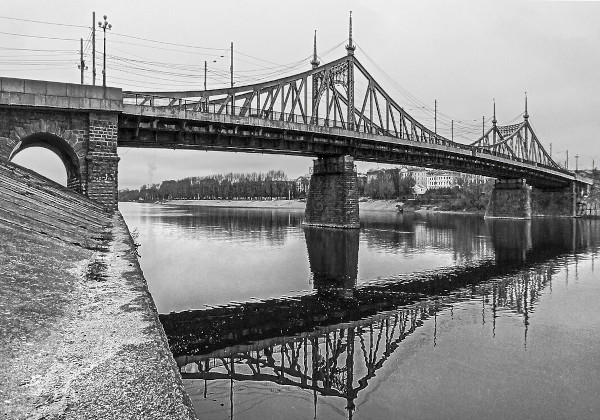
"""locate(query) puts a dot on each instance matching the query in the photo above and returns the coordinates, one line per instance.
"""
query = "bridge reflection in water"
(332, 341)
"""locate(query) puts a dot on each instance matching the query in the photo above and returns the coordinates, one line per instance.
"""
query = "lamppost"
(205, 65)
(104, 26)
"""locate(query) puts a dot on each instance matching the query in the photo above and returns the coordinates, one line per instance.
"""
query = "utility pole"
(81, 62)
(435, 118)
(567, 164)
(204, 74)
(483, 125)
(231, 64)
(94, 48)
(104, 27)
(550, 150)
(452, 130)
(576, 163)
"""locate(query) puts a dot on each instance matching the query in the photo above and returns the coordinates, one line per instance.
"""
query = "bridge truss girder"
(517, 141)
(284, 138)
(337, 104)
(342, 94)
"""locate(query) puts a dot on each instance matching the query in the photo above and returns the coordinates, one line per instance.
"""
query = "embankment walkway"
(79, 333)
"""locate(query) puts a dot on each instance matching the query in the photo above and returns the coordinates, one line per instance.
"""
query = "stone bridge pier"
(513, 198)
(333, 194)
(77, 122)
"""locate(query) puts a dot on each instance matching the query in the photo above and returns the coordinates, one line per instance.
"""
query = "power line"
(33, 49)
(39, 36)
(170, 43)
(43, 22)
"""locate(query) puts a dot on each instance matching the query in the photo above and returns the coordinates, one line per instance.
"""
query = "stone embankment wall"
(79, 332)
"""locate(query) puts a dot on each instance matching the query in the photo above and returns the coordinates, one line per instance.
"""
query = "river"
(412, 316)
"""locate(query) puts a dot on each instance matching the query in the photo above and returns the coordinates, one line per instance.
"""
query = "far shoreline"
(368, 205)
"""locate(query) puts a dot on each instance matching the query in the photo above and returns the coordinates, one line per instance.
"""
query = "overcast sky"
(461, 53)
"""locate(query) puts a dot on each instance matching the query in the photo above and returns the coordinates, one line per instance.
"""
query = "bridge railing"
(225, 109)
(161, 102)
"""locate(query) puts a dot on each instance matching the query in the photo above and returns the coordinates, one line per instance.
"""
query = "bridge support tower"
(77, 122)
(333, 194)
(514, 199)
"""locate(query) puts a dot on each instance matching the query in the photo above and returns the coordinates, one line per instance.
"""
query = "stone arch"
(65, 143)
(61, 148)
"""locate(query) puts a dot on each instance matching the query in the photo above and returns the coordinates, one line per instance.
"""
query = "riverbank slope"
(79, 332)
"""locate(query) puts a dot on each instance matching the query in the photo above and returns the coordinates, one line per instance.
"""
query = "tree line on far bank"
(275, 184)
(232, 186)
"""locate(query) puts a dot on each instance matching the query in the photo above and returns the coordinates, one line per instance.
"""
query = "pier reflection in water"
(342, 350)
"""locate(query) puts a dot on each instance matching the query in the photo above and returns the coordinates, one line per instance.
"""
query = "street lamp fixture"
(104, 26)
(205, 65)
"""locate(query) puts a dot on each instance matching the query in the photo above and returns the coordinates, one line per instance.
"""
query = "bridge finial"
(526, 115)
(494, 119)
(315, 61)
(350, 47)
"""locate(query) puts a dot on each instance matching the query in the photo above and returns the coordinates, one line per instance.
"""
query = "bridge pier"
(102, 160)
(333, 194)
(514, 199)
(510, 199)
(558, 202)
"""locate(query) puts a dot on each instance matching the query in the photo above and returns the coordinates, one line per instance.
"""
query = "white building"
(436, 180)
(420, 177)
(419, 189)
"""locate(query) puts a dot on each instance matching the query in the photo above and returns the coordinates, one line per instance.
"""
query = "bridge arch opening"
(49, 155)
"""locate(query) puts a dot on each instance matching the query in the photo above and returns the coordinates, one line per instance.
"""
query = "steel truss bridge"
(337, 108)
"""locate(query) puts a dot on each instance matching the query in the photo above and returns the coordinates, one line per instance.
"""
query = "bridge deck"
(169, 127)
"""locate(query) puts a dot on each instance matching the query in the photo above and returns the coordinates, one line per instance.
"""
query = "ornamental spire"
(315, 61)
(494, 119)
(350, 47)
(526, 115)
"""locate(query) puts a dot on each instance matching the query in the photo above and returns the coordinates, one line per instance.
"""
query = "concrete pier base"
(333, 194)
(510, 199)
(560, 202)
(514, 199)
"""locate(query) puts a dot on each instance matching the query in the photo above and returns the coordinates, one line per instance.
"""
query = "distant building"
(419, 189)
(301, 184)
(373, 174)
(426, 179)
(362, 181)
(437, 180)
(420, 176)
(474, 179)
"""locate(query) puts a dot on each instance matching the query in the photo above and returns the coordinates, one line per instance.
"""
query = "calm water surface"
(419, 317)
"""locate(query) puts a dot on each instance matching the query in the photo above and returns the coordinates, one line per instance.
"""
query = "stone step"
(28, 198)
(51, 187)
(47, 189)
(32, 202)
(25, 222)
(39, 212)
